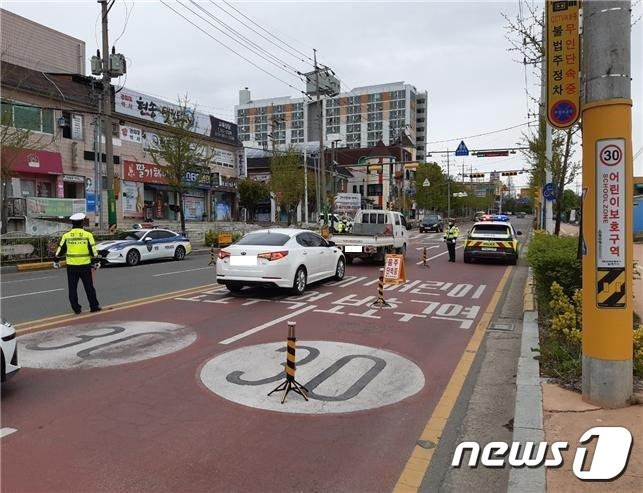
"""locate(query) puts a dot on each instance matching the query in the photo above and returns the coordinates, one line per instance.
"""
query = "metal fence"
(20, 247)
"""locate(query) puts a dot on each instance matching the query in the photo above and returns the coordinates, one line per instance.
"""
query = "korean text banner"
(563, 63)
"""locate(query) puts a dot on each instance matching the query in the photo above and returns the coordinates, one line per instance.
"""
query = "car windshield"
(431, 219)
(270, 239)
(491, 230)
(131, 235)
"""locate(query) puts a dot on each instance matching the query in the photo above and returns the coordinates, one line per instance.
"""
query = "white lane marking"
(179, 271)
(436, 256)
(6, 431)
(259, 328)
(29, 294)
(30, 279)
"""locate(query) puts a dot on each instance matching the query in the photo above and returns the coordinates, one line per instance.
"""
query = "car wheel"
(467, 259)
(349, 260)
(513, 260)
(234, 288)
(340, 270)
(2, 371)
(132, 258)
(179, 253)
(299, 284)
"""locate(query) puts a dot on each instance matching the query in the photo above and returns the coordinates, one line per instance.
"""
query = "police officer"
(450, 235)
(79, 249)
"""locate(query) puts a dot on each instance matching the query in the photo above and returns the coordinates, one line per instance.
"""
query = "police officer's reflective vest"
(78, 247)
(451, 233)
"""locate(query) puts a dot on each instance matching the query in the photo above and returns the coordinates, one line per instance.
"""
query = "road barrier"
(424, 262)
(213, 256)
(379, 302)
(290, 383)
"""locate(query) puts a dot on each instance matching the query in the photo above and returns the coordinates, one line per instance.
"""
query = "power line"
(482, 134)
(254, 46)
(231, 37)
(233, 51)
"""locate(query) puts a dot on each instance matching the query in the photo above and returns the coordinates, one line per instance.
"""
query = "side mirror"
(148, 239)
(518, 233)
(409, 227)
(331, 243)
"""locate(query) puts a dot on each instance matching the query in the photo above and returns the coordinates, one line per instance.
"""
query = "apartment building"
(357, 119)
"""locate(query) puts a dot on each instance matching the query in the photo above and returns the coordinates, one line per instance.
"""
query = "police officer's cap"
(79, 216)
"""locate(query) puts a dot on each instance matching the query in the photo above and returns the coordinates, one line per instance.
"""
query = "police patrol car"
(134, 246)
(492, 240)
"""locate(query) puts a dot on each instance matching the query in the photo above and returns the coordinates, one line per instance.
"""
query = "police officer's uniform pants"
(451, 249)
(84, 273)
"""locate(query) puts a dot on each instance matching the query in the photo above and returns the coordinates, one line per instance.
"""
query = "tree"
(181, 154)
(287, 180)
(433, 197)
(525, 37)
(13, 142)
(251, 192)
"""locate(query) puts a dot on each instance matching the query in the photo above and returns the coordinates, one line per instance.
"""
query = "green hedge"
(553, 258)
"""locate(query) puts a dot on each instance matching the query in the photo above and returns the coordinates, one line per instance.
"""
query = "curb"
(528, 412)
(48, 265)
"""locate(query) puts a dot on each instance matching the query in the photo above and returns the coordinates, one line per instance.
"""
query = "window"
(397, 219)
(303, 240)
(28, 117)
(264, 239)
(374, 189)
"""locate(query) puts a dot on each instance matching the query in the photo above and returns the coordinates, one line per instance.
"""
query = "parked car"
(137, 245)
(432, 222)
(9, 351)
(478, 215)
(492, 240)
(279, 257)
(520, 214)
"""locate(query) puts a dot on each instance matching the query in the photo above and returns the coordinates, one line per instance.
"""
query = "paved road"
(172, 395)
(34, 295)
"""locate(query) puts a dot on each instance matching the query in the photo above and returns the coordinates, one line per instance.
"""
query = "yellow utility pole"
(607, 204)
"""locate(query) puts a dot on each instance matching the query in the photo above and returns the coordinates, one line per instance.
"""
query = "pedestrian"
(450, 235)
(78, 248)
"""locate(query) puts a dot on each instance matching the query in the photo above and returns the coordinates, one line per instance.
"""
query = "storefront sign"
(224, 158)
(47, 207)
(76, 127)
(223, 130)
(195, 178)
(242, 166)
(133, 202)
(74, 178)
(139, 105)
(151, 141)
(131, 134)
(43, 162)
(144, 172)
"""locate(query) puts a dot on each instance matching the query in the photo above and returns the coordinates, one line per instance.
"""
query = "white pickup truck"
(376, 232)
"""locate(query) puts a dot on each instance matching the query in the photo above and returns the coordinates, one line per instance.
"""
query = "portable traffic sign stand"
(392, 273)
(290, 383)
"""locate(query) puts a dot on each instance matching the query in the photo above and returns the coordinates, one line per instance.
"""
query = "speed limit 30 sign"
(610, 222)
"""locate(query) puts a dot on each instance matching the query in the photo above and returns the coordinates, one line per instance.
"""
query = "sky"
(457, 51)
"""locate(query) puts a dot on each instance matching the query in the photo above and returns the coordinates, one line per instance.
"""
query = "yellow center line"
(25, 327)
(420, 459)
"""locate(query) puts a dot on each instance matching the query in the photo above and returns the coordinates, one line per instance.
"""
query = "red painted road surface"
(152, 425)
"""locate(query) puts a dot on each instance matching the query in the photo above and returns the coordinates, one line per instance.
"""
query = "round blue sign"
(563, 112)
(549, 191)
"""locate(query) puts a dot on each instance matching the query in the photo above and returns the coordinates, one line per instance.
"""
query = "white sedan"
(280, 257)
(9, 351)
(132, 247)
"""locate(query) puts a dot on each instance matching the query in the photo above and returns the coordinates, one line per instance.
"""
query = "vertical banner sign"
(610, 223)
(563, 63)
(394, 272)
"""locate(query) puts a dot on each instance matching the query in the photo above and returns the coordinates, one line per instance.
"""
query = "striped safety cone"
(379, 302)
(290, 383)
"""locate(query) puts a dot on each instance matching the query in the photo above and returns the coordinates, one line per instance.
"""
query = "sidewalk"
(547, 411)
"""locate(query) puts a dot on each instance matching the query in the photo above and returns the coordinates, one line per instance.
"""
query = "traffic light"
(509, 173)
(476, 175)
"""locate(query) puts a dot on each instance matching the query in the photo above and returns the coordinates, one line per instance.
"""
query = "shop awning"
(40, 162)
